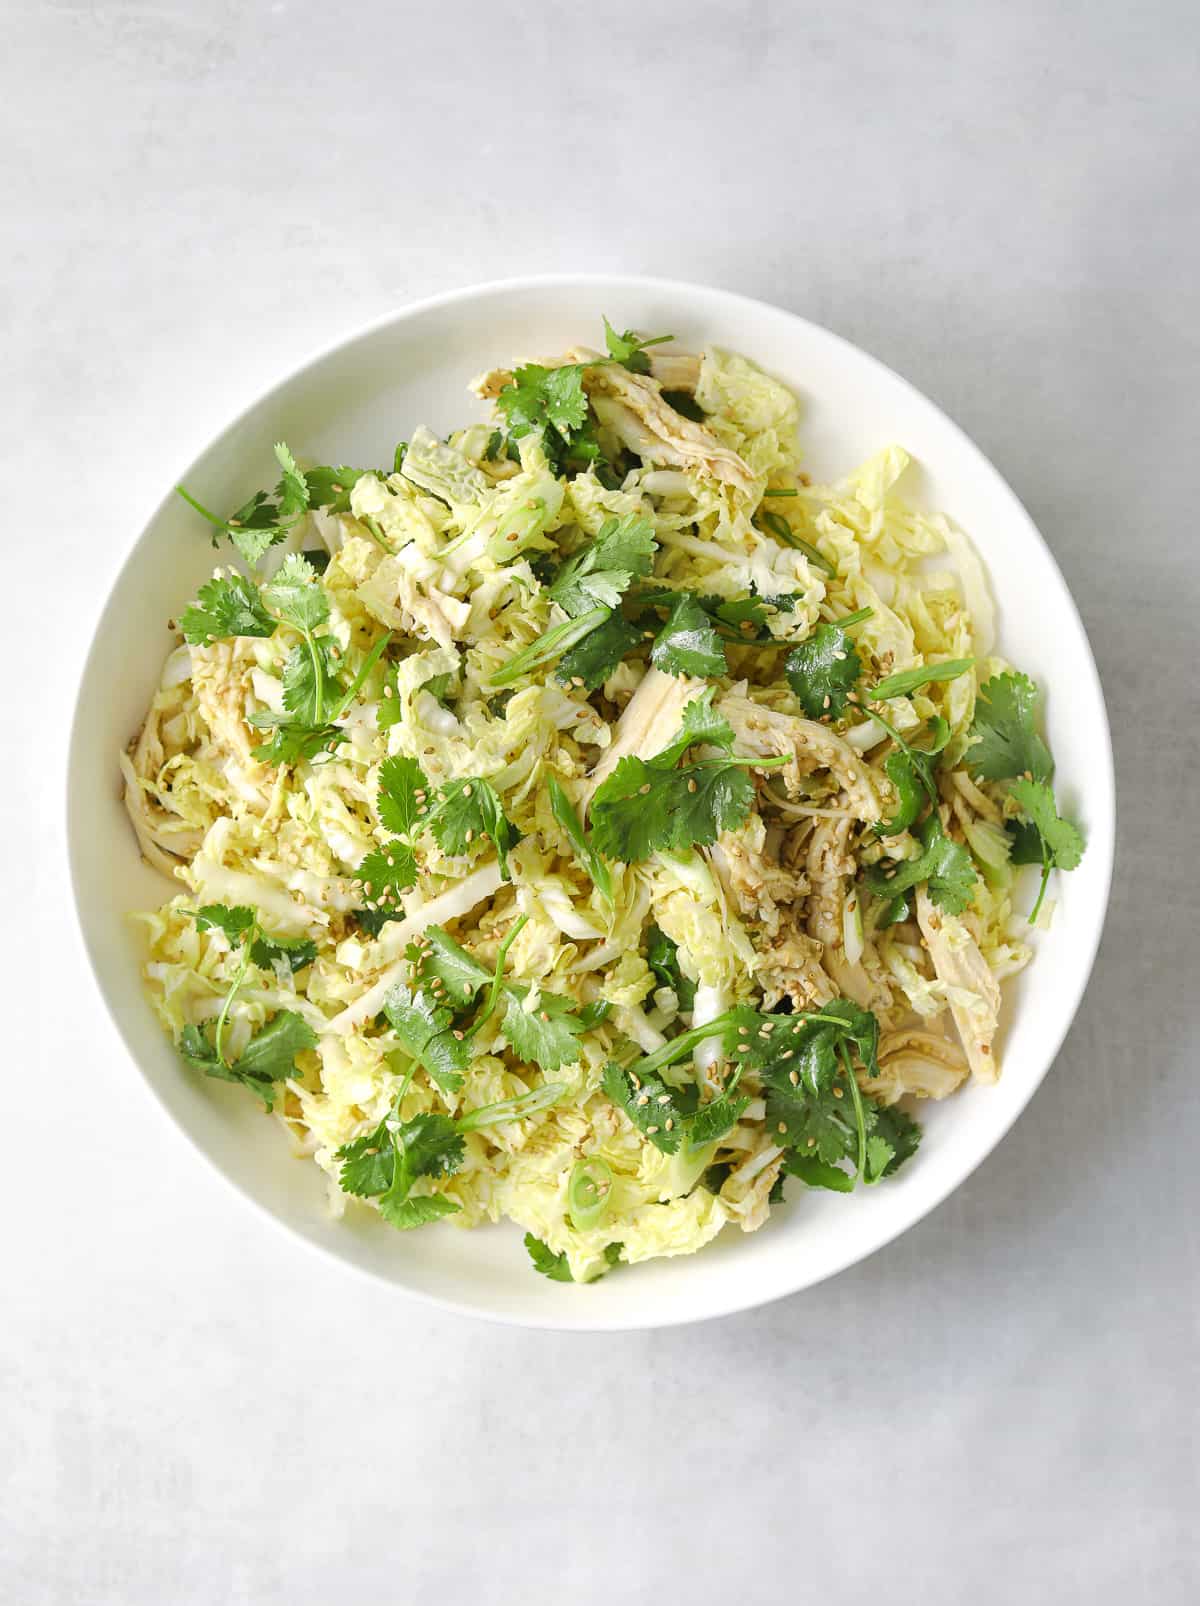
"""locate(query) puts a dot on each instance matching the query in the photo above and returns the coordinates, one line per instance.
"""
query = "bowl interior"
(352, 405)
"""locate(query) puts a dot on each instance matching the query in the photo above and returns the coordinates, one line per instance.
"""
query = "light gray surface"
(1000, 201)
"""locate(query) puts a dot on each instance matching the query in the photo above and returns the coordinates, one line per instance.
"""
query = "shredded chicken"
(651, 719)
(916, 1062)
(811, 747)
(972, 991)
(759, 885)
(790, 967)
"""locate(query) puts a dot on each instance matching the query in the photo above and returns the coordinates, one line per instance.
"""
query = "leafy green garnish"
(659, 1112)
(260, 522)
(599, 574)
(775, 524)
(1005, 745)
(471, 809)
(943, 864)
(564, 813)
(1047, 839)
(648, 806)
(1003, 739)
(599, 653)
(547, 1262)
(227, 606)
(688, 643)
(823, 670)
(629, 349)
(269, 1057)
(662, 955)
(907, 681)
(910, 770)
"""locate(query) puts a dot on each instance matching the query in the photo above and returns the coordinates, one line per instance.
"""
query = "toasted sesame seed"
(837, 1093)
(670, 1123)
(650, 1131)
(544, 1018)
(577, 680)
(470, 835)
(644, 790)
(645, 1099)
(664, 1098)
(458, 1036)
(466, 791)
(692, 784)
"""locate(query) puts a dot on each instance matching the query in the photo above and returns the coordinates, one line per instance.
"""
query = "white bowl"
(352, 404)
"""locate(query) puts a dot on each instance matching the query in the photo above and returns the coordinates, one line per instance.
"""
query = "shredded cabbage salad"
(587, 819)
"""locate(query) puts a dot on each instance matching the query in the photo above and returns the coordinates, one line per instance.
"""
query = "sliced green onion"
(551, 645)
(512, 1109)
(910, 680)
(589, 1192)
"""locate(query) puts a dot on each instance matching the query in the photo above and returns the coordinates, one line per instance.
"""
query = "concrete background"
(1001, 201)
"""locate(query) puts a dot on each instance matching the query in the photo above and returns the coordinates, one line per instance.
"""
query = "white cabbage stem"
(460, 900)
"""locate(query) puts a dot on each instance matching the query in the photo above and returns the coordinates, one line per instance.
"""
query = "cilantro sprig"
(268, 517)
(270, 1055)
(815, 1108)
(461, 815)
(386, 1162)
(588, 587)
(824, 669)
(1004, 745)
(444, 980)
(943, 865)
(629, 349)
(313, 696)
(656, 805)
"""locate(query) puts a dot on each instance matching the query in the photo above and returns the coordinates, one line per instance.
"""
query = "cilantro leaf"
(442, 959)
(1062, 841)
(547, 1262)
(292, 490)
(297, 594)
(546, 1035)
(226, 606)
(892, 1138)
(602, 570)
(715, 1120)
(647, 806)
(330, 487)
(403, 798)
(823, 670)
(643, 808)
(427, 1031)
(467, 810)
(290, 743)
(1047, 838)
(629, 349)
(269, 1057)
(537, 397)
(310, 686)
(662, 955)
(565, 814)
(688, 643)
(943, 864)
(600, 653)
(416, 1210)
(387, 871)
(295, 952)
(655, 1109)
(235, 922)
(816, 1173)
(910, 795)
(1003, 738)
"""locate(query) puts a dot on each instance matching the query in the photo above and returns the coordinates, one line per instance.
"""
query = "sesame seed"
(650, 1131)
(782, 1127)
(664, 1098)
(692, 785)
(466, 791)
(643, 791)
(794, 1078)
(577, 680)
(458, 1037)
(645, 1099)
(470, 836)
(837, 1092)
(670, 1123)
